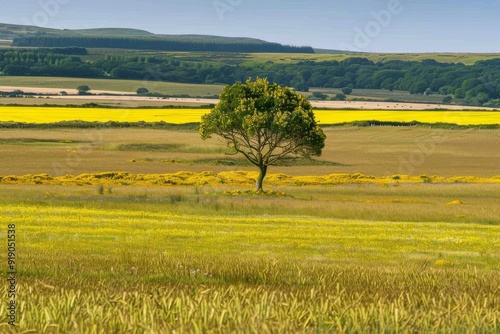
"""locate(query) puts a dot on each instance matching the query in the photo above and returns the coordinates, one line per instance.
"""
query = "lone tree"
(265, 123)
(142, 91)
(83, 89)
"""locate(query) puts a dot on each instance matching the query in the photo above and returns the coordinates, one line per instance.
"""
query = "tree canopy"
(83, 89)
(142, 91)
(264, 122)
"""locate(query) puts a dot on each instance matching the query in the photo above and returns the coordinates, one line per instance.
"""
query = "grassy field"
(374, 151)
(465, 58)
(381, 95)
(167, 88)
(325, 249)
(243, 58)
(212, 259)
(180, 116)
(117, 101)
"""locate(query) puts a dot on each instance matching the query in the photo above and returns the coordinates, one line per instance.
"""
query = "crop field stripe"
(50, 114)
(74, 229)
(453, 117)
(180, 116)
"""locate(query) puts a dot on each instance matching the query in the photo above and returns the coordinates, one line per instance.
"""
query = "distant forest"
(167, 43)
(477, 85)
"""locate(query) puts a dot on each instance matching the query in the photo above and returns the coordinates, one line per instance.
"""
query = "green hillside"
(112, 32)
(118, 38)
(11, 31)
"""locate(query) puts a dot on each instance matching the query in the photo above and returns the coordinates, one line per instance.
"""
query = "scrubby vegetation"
(243, 178)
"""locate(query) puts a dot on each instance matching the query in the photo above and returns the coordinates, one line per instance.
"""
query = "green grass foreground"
(217, 259)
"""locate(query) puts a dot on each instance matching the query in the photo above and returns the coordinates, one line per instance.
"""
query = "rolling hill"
(120, 38)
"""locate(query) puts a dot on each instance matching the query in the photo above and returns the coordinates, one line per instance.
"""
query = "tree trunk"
(260, 179)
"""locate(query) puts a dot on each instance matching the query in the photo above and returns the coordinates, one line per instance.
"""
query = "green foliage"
(46, 62)
(347, 90)
(142, 91)
(418, 87)
(339, 97)
(159, 43)
(447, 99)
(83, 89)
(475, 85)
(318, 96)
(300, 86)
(265, 123)
(460, 93)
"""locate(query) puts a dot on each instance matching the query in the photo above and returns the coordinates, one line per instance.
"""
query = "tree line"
(166, 43)
(477, 84)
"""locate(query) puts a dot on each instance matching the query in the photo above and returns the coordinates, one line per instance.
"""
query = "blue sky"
(363, 25)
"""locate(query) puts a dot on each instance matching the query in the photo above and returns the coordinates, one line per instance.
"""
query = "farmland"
(186, 115)
(31, 84)
(143, 230)
(154, 259)
(130, 86)
(118, 218)
(465, 58)
(377, 151)
(205, 69)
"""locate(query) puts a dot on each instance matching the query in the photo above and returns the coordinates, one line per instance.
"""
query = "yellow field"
(179, 116)
(55, 114)
(455, 117)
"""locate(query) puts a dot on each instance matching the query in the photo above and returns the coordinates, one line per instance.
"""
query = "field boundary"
(195, 125)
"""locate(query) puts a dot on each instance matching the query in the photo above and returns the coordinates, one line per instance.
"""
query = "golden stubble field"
(378, 151)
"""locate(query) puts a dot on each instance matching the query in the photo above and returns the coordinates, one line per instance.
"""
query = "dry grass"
(107, 257)
(168, 88)
(373, 151)
(123, 102)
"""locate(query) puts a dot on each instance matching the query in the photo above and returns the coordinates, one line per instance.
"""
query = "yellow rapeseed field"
(454, 117)
(57, 114)
(179, 116)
